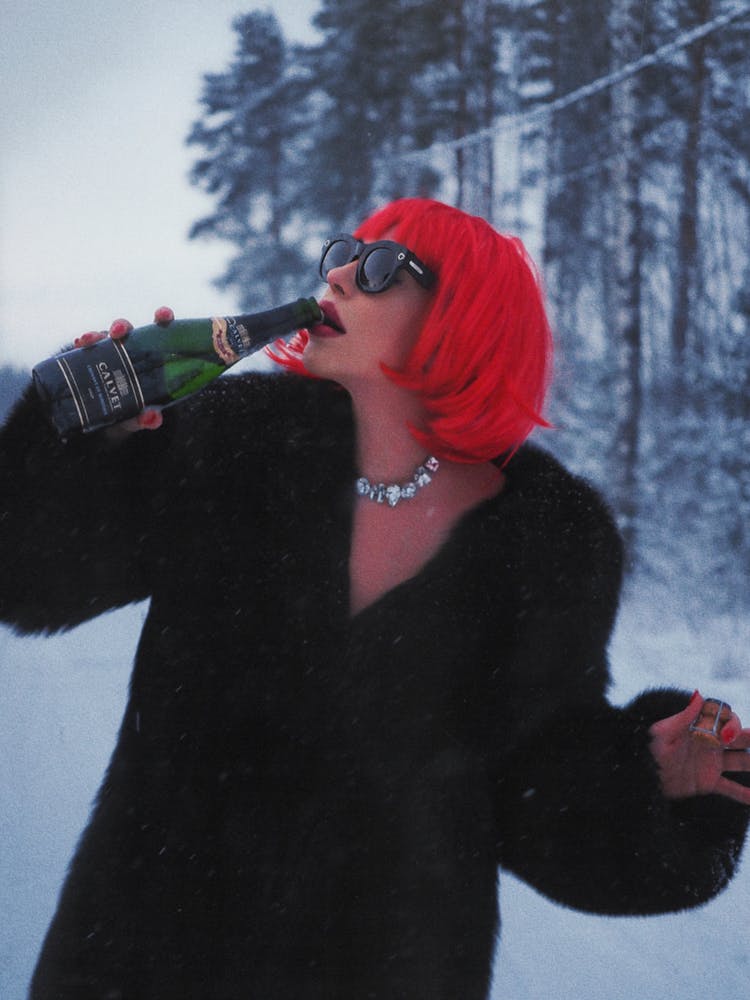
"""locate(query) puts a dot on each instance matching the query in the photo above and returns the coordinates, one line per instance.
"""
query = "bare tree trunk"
(626, 253)
(476, 102)
(486, 192)
(460, 43)
(685, 282)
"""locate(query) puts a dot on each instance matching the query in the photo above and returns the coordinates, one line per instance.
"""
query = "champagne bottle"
(92, 387)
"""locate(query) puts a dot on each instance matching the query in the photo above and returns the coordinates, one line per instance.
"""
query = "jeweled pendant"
(393, 495)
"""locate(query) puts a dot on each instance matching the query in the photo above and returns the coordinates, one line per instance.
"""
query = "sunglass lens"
(338, 253)
(378, 268)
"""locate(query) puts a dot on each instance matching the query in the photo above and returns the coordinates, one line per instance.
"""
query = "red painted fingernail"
(150, 419)
(119, 328)
(87, 339)
(163, 316)
(727, 734)
(695, 696)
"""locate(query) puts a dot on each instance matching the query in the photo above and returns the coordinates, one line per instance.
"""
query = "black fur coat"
(304, 805)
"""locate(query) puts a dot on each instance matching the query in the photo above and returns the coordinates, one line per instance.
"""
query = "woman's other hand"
(694, 764)
(149, 419)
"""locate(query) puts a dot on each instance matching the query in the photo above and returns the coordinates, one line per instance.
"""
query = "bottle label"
(230, 339)
(103, 383)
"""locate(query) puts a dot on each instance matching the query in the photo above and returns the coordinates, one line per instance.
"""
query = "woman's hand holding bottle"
(151, 418)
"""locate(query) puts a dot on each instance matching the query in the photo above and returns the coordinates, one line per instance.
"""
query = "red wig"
(482, 361)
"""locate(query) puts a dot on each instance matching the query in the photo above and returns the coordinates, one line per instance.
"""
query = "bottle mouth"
(321, 317)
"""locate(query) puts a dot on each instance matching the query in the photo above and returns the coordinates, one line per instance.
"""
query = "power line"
(519, 120)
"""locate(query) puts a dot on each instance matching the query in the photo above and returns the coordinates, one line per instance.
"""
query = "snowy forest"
(613, 137)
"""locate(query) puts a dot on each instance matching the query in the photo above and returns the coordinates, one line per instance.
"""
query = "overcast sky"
(97, 99)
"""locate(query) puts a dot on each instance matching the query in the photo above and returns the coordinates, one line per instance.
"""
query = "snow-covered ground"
(59, 712)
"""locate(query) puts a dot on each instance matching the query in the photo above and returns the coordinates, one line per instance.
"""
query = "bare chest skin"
(391, 545)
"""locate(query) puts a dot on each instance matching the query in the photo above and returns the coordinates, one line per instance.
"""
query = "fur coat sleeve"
(84, 523)
(582, 815)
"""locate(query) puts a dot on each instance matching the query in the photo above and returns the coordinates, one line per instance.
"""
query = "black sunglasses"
(378, 263)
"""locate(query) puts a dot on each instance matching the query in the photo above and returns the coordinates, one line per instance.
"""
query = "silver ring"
(711, 717)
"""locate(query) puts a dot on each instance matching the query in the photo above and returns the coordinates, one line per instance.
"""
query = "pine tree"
(370, 108)
(464, 87)
(694, 460)
(250, 130)
(563, 46)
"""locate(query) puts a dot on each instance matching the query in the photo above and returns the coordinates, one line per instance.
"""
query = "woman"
(374, 665)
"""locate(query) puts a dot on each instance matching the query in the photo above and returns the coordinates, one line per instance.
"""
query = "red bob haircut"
(483, 359)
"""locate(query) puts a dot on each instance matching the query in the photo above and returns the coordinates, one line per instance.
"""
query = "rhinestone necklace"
(393, 493)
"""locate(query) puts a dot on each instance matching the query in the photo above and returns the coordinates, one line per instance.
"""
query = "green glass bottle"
(155, 365)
